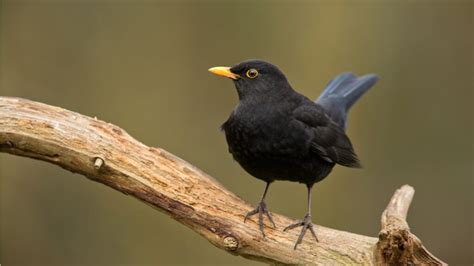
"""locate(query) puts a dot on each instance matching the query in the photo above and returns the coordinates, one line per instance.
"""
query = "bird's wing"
(328, 140)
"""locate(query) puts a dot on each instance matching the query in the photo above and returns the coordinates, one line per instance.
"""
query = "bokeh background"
(143, 65)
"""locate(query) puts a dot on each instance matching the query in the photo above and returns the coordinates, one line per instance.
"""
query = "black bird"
(275, 133)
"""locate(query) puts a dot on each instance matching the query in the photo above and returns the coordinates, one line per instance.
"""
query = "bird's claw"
(261, 209)
(306, 224)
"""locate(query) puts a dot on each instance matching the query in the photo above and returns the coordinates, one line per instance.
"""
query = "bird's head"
(255, 79)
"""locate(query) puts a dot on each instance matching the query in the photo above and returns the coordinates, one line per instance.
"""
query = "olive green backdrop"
(143, 65)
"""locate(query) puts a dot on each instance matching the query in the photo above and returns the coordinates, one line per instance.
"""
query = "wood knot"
(98, 162)
(117, 131)
(383, 234)
(231, 243)
(396, 246)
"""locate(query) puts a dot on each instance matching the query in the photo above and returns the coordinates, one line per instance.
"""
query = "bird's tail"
(342, 92)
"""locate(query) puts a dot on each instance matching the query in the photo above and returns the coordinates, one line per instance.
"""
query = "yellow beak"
(224, 72)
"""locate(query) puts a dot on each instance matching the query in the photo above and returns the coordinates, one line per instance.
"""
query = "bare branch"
(107, 154)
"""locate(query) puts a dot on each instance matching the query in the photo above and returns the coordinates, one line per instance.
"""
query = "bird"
(276, 133)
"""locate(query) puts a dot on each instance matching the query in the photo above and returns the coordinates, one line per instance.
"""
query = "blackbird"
(276, 133)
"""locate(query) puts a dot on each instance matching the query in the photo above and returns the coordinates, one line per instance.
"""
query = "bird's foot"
(261, 209)
(306, 224)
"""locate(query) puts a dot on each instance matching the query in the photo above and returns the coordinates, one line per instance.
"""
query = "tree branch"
(107, 154)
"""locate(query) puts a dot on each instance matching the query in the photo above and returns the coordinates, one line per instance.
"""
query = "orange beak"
(224, 72)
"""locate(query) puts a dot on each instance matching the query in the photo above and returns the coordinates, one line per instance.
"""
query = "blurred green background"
(143, 66)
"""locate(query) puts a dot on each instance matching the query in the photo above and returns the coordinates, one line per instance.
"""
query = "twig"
(190, 196)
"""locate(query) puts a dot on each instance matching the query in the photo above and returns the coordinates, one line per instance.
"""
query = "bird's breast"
(264, 137)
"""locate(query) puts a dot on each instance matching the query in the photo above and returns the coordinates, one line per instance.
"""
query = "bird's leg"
(261, 209)
(305, 223)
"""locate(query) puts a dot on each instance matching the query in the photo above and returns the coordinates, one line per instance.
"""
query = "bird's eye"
(252, 73)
